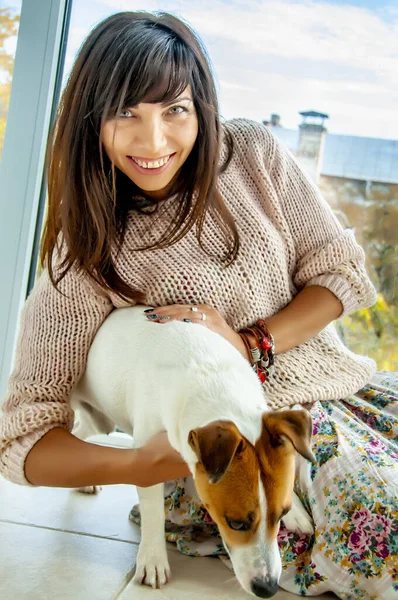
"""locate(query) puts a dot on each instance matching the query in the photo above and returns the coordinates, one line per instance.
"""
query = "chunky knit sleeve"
(56, 332)
(326, 255)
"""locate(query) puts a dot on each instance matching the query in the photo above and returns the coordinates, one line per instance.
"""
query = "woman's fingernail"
(152, 316)
(187, 320)
(148, 310)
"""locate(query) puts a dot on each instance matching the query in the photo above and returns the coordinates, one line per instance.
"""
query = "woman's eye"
(177, 110)
(125, 112)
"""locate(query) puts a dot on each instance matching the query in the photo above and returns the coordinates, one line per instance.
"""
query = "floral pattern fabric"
(352, 494)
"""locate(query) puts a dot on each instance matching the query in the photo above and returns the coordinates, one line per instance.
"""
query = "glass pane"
(276, 60)
(9, 24)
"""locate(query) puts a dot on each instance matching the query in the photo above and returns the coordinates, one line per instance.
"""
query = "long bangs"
(156, 67)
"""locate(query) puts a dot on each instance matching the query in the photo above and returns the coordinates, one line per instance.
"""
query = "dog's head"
(247, 489)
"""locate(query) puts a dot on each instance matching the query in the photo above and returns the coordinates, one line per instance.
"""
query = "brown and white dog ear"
(295, 425)
(216, 445)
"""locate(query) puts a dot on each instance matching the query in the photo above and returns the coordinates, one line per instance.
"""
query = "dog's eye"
(238, 525)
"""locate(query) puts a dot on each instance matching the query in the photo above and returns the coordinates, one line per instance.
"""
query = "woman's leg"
(353, 497)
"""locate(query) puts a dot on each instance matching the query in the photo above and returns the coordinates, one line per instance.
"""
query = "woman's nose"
(152, 138)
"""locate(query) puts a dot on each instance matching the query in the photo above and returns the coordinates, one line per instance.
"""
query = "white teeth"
(151, 165)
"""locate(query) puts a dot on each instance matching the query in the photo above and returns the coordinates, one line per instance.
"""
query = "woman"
(152, 200)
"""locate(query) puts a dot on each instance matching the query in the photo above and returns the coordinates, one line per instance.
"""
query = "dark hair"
(130, 57)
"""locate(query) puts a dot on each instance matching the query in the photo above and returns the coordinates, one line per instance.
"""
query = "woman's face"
(150, 142)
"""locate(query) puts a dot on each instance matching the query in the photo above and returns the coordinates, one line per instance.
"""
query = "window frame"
(34, 96)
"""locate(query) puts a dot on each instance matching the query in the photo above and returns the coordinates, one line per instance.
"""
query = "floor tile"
(104, 514)
(196, 579)
(40, 564)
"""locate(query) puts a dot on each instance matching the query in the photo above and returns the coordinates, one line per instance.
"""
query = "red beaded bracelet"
(263, 352)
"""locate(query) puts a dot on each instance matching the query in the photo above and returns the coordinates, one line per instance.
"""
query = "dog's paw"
(299, 521)
(152, 568)
(89, 489)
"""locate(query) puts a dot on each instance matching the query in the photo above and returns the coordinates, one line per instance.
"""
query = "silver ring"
(204, 316)
(194, 308)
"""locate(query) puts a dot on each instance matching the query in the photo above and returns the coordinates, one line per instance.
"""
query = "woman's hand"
(202, 314)
(157, 461)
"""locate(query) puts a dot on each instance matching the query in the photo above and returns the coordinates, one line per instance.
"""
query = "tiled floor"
(57, 544)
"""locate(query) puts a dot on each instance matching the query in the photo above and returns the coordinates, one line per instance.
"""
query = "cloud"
(230, 85)
(338, 34)
(290, 55)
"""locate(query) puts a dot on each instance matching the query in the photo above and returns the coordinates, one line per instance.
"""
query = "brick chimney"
(311, 142)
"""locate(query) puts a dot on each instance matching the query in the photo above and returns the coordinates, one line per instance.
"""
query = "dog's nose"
(264, 588)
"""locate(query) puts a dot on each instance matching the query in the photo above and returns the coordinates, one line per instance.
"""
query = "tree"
(9, 24)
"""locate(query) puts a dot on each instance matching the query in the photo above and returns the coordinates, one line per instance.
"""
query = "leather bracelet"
(263, 352)
(247, 346)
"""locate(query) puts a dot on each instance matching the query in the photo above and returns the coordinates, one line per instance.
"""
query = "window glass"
(9, 23)
(323, 77)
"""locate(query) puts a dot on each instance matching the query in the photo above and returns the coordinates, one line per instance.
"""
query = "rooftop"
(352, 157)
(313, 113)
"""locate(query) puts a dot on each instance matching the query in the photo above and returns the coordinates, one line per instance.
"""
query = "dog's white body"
(148, 377)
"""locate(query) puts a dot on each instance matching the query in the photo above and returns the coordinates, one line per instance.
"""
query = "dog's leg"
(90, 421)
(152, 563)
(297, 519)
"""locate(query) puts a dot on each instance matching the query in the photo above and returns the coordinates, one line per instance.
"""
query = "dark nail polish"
(148, 310)
(187, 321)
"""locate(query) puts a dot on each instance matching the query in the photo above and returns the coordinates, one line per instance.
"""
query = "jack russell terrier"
(186, 380)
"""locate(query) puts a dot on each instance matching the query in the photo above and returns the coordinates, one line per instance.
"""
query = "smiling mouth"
(153, 164)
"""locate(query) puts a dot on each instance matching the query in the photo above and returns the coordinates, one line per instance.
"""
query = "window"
(9, 24)
(34, 85)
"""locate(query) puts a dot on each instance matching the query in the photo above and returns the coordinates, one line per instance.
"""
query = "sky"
(284, 56)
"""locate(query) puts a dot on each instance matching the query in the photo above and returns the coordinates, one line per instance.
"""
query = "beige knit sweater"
(289, 239)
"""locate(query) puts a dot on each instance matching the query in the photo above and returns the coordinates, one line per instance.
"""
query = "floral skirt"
(352, 496)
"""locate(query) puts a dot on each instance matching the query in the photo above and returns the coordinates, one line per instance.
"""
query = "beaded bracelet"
(263, 352)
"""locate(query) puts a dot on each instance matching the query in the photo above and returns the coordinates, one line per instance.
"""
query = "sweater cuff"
(350, 298)
(12, 460)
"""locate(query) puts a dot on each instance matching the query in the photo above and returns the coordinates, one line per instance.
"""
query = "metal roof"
(313, 113)
(352, 157)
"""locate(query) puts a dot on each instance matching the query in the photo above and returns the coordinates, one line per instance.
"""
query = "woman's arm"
(59, 459)
(306, 315)
(57, 329)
